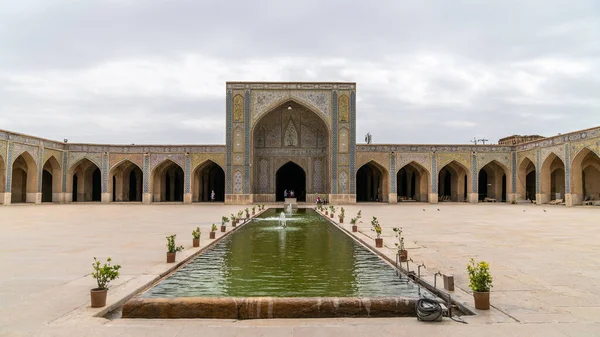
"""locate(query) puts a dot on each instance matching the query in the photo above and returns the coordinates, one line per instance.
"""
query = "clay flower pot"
(341, 220)
(403, 255)
(482, 300)
(379, 242)
(354, 228)
(331, 215)
(253, 213)
(196, 242)
(171, 257)
(233, 223)
(223, 228)
(247, 215)
(98, 297)
(326, 213)
(212, 235)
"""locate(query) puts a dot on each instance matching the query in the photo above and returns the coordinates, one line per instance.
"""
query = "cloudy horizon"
(438, 72)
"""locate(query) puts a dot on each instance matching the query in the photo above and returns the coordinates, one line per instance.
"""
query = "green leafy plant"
(240, 213)
(359, 215)
(171, 248)
(224, 220)
(480, 279)
(233, 218)
(342, 212)
(400, 243)
(213, 228)
(105, 274)
(253, 209)
(376, 227)
(247, 212)
(332, 209)
(196, 233)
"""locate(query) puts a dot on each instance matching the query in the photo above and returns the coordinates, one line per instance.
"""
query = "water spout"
(288, 209)
(282, 221)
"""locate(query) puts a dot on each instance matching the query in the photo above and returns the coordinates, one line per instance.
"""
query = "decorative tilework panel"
(146, 177)
(444, 159)
(344, 140)
(344, 108)
(247, 143)
(334, 144)
(9, 165)
(200, 158)
(394, 186)
(558, 150)
(434, 176)
(33, 151)
(264, 101)
(474, 174)
(537, 171)
(352, 141)
(237, 182)
(343, 181)
(76, 157)
(238, 139)
(238, 108)
(177, 158)
(486, 158)
(263, 176)
(58, 155)
(188, 174)
(117, 158)
(40, 170)
(403, 159)
(228, 139)
(514, 172)
(318, 176)
(567, 169)
(104, 170)
(64, 172)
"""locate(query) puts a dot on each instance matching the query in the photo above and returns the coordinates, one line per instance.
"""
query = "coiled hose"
(429, 310)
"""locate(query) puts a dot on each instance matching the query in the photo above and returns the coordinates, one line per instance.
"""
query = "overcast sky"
(129, 71)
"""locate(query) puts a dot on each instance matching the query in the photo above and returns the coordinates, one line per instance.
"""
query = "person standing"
(212, 195)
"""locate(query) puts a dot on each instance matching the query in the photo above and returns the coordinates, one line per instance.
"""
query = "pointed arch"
(493, 179)
(527, 179)
(125, 181)
(84, 181)
(24, 179)
(585, 177)
(290, 177)
(51, 180)
(372, 182)
(412, 182)
(454, 182)
(552, 179)
(208, 178)
(166, 182)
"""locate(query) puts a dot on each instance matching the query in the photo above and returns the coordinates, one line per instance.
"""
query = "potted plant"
(377, 229)
(402, 252)
(253, 210)
(355, 222)
(341, 216)
(224, 220)
(213, 229)
(480, 281)
(332, 209)
(233, 220)
(326, 211)
(196, 237)
(247, 213)
(172, 249)
(239, 216)
(103, 275)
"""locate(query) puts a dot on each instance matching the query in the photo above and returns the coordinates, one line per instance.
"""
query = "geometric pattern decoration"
(75, 157)
(393, 184)
(228, 138)
(237, 182)
(318, 176)
(247, 141)
(19, 148)
(334, 143)
(343, 180)
(118, 158)
(352, 141)
(344, 107)
(474, 174)
(263, 176)
(177, 158)
(434, 176)
(423, 159)
(514, 172)
(558, 150)
(238, 108)
(264, 101)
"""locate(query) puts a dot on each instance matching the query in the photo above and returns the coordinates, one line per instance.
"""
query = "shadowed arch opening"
(86, 181)
(125, 183)
(2, 179)
(492, 182)
(24, 179)
(290, 177)
(167, 181)
(526, 180)
(412, 183)
(208, 178)
(371, 183)
(51, 180)
(585, 177)
(552, 179)
(454, 182)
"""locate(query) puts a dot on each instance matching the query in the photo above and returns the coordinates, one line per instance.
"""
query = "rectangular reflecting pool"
(309, 263)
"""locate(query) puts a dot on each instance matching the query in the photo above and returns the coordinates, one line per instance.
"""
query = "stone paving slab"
(545, 264)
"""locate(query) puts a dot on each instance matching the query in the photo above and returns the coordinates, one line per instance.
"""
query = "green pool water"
(308, 258)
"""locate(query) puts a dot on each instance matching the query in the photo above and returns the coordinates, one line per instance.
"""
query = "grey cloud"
(154, 71)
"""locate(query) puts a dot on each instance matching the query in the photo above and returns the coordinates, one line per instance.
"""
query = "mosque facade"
(301, 137)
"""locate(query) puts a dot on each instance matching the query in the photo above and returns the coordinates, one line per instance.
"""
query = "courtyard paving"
(545, 261)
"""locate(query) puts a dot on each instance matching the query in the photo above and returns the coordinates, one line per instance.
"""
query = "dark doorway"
(174, 184)
(46, 186)
(114, 182)
(483, 184)
(504, 187)
(133, 187)
(209, 177)
(290, 177)
(369, 183)
(96, 185)
(74, 197)
(530, 185)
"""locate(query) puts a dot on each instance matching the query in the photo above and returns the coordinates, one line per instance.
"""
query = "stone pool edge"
(269, 307)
